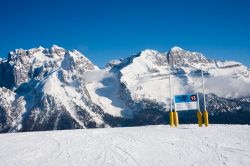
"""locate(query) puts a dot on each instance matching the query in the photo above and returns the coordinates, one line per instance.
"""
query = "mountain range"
(54, 89)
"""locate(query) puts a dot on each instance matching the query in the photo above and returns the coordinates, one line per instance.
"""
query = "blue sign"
(186, 98)
(186, 102)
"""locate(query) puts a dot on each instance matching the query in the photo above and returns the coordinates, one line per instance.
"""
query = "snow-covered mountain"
(49, 89)
(43, 89)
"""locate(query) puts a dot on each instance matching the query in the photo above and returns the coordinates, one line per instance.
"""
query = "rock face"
(42, 89)
(11, 110)
(52, 89)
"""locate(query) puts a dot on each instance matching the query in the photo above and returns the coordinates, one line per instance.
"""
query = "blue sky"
(110, 29)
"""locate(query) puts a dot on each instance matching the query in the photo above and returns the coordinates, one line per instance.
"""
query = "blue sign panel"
(186, 98)
(186, 102)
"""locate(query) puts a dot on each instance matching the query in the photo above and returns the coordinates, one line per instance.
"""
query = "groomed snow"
(150, 145)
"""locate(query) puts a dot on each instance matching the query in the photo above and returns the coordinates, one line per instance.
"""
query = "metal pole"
(170, 93)
(203, 88)
(205, 106)
(198, 100)
(171, 115)
(199, 114)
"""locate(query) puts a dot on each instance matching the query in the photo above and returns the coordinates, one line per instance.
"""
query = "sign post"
(171, 115)
(188, 102)
(199, 114)
(204, 99)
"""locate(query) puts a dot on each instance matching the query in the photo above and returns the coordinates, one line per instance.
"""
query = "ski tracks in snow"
(137, 146)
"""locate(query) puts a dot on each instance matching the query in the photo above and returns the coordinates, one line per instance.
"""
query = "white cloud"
(96, 76)
(228, 87)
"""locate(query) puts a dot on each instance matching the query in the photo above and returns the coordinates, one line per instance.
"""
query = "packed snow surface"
(150, 145)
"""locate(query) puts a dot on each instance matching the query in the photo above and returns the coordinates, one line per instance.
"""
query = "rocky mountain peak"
(176, 49)
(179, 57)
(37, 63)
(56, 47)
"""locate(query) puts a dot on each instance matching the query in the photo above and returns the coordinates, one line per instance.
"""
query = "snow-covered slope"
(145, 146)
(138, 85)
(222, 77)
(147, 75)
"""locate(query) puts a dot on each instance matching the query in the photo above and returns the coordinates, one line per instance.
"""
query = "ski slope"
(144, 146)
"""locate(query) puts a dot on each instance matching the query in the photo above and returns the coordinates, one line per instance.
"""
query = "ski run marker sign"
(186, 102)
